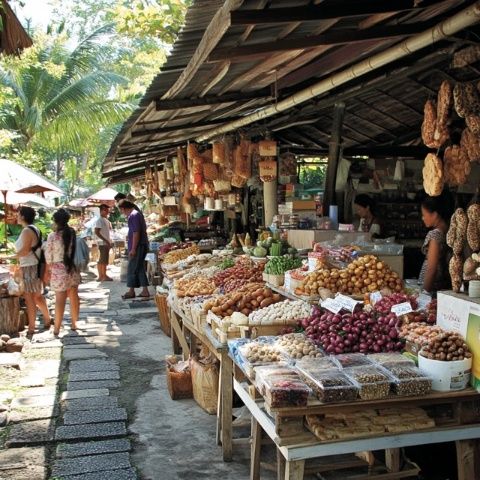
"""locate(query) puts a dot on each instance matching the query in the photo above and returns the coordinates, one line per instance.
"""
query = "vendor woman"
(434, 274)
(365, 209)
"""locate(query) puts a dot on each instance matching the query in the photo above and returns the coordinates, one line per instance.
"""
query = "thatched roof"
(13, 37)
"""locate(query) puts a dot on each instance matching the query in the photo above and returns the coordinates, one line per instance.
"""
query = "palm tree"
(62, 97)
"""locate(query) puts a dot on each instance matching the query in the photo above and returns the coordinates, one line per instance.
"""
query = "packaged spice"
(330, 385)
(349, 360)
(264, 372)
(409, 380)
(390, 358)
(373, 384)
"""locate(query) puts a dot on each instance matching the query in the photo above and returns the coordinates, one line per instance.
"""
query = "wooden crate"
(163, 313)
(199, 317)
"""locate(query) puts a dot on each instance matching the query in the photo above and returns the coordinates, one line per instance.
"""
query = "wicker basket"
(179, 378)
(163, 315)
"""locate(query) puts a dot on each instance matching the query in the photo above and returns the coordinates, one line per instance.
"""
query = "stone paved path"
(63, 420)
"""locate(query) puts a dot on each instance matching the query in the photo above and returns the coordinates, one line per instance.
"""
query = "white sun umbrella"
(29, 199)
(17, 178)
(105, 195)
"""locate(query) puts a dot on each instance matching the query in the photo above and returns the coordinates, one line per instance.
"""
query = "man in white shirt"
(102, 233)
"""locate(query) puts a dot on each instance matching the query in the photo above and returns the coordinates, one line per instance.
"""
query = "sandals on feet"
(144, 296)
(127, 296)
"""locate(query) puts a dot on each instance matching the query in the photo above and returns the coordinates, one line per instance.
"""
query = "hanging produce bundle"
(457, 166)
(433, 179)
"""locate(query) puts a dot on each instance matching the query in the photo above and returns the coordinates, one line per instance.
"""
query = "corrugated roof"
(382, 108)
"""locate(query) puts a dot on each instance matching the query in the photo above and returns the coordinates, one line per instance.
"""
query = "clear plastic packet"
(408, 380)
(372, 382)
(349, 360)
(286, 392)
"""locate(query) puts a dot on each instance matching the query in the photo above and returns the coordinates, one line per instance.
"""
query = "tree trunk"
(9, 315)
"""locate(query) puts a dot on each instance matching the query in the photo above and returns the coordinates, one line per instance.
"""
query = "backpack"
(41, 267)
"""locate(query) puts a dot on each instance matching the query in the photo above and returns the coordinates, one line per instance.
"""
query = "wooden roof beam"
(353, 8)
(163, 105)
(219, 24)
(335, 38)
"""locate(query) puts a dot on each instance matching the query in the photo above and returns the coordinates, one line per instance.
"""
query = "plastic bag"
(218, 153)
(205, 383)
(15, 289)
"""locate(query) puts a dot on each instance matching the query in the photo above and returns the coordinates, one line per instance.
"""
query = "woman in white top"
(28, 248)
(365, 209)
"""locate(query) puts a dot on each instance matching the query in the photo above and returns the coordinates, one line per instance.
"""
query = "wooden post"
(333, 154)
(270, 204)
(280, 465)
(294, 470)
(466, 459)
(255, 449)
(226, 381)
(392, 459)
(9, 315)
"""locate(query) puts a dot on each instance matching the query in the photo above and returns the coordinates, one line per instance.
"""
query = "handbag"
(42, 264)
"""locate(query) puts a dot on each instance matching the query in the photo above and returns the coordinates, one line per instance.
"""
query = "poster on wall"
(473, 342)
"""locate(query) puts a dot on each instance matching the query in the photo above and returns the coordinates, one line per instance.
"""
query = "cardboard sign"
(375, 297)
(332, 305)
(268, 170)
(267, 148)
(347, 303)
(401, 309)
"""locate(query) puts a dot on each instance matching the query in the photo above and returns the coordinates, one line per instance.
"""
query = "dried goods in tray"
(409, 380)
(372, 383)
(286, 392)
(390, 359)
(330, 385)
(350, 360)
(296, 346)
(264, 372)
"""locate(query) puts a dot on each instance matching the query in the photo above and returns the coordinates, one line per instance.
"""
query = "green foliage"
(312, 174)
(62, 106)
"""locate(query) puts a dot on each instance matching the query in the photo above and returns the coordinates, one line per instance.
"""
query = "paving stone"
(66, 450)
(46, 368)
(6, 395)
(123, 474)
(3, 419)
(90, 392)
(84, 417)
(46, 342)
(93, 403)
(38, 391)
(14, 360)
(101, 375)
(71, 386)
(92, 463)
(81, 366)
(33, 380)
(93, 431)
(27, 463)
(67, 348)
(80, 353)
(4, 407)
(75, 341)
(44, 401)
(28, 433)
(28, 414)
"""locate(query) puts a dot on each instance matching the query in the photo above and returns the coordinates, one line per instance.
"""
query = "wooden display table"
(295, 445)
(181, 324)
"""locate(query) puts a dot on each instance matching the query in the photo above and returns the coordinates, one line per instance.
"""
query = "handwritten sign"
(401, 309)
(332, 305)
(375, 297)
(347, 303)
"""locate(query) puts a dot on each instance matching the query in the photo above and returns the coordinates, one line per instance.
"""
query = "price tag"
(332, 305)
(375, 297)
(346, 302)
(423, 300)
(401, 309)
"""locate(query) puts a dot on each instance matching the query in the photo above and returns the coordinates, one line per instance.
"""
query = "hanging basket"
(218, 153)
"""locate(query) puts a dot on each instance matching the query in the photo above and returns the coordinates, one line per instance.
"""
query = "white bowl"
(446, 376)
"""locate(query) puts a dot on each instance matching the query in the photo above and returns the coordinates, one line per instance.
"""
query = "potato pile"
(260, 353)
(245, 300)
(447, 347)
(196, 286)
(366, 274)
(177, 255)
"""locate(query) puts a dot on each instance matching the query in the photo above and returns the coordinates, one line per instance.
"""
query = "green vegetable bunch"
(227, 263)
(280, 265)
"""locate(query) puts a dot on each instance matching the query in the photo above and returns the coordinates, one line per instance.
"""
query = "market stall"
(229, 141)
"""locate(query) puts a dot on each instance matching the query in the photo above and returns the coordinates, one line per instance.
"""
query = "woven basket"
(218, 153)
(210, 171)
(163, 316)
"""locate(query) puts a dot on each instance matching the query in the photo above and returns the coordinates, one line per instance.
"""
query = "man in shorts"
(102, 233)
